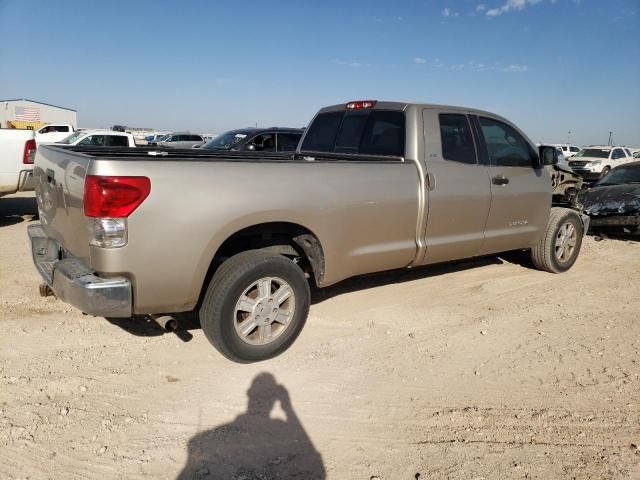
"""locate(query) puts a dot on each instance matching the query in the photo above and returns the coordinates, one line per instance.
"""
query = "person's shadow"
(254, 445)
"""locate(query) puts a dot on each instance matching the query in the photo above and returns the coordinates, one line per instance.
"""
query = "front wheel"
(605, 172)
(255, 306)
(559, 247)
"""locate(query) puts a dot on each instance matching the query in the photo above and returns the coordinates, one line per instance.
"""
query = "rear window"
(367, 132)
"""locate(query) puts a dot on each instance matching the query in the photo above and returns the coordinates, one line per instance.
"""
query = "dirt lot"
(481, 370)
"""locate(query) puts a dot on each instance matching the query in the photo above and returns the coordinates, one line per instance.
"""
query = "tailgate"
(59, 184)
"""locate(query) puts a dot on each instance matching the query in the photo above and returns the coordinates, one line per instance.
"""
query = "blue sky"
(550, 66)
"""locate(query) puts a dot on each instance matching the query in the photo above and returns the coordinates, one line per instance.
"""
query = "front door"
(459, 192)
(520, 189)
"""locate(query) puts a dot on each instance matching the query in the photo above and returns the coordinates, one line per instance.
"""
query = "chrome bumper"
(25, 180)
(73, 282)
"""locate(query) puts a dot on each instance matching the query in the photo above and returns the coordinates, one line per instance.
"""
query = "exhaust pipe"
(166, 322)
(45, 290)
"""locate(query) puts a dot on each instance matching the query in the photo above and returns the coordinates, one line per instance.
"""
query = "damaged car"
(613, 203)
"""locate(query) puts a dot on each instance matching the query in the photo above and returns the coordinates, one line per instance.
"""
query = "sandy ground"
(485, 369)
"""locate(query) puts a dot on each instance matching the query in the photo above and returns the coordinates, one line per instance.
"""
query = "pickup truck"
(240, 237)
(17, 153)
(53, 133)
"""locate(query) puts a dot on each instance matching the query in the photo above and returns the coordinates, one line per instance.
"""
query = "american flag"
(28, 114)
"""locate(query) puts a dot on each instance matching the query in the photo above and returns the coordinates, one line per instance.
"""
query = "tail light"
(361, 104)
(108, 201)
(114, 197)
(29, 154)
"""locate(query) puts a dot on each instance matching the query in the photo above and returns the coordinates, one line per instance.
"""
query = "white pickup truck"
(17, 152)
(99, 138)
(54, 132)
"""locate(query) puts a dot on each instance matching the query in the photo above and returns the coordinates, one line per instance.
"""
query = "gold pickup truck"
(240, 237)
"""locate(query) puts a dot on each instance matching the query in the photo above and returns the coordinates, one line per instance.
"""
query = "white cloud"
(511, 5)
(481, 7)
(352, 64)
(474, 66)
(419, 60)
(447, 12)
(514, 68)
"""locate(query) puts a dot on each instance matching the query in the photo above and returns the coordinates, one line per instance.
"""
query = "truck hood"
(612, 200)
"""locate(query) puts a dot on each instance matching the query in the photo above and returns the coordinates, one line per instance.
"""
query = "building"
(25, 113)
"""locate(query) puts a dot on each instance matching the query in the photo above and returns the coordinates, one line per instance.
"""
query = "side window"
(94, 141)
(506, 147)
(117, 141)
(457, 142)
(321, 136)
(575, 149)
(288, 142)
(265, 142)
(61, 128)
(628, 152)
(615, 154)
(195, 138)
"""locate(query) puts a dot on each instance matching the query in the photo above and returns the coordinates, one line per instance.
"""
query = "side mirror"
(251, 147)
(548, 156)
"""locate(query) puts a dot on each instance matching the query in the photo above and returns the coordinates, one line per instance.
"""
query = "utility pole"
(569, 136)
(610, 134)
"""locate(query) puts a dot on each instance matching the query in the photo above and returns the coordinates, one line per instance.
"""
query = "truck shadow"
(319, 295)
(145, 326)
(254, 444)
(15, 210)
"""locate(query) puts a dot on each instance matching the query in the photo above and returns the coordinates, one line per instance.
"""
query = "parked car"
(366, 191)
(155, 137)
(568, 150)
(257, 139)
(53, 133)
(99, 138)
(594, 162)
(179, 140)
(614, 201)
(17, 152)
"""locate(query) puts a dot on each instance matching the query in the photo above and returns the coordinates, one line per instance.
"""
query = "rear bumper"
(616, 220)
(25, 180)
(74, 283)
(587, 174)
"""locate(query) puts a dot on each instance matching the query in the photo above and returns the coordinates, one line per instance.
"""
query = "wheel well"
(287, 239)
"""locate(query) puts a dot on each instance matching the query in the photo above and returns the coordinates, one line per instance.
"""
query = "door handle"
(500, 180)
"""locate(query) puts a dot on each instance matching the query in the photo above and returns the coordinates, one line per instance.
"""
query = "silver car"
(180, 140)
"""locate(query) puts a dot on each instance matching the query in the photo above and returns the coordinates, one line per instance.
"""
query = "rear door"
(520, 191)
(459, 194)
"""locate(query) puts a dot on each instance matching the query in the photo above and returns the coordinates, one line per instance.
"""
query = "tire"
(565, 228)
(236, 308)
(605, 171)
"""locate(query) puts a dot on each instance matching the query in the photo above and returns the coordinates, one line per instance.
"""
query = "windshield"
(620, 175)
(593, 153)
(226, 141)
(162, 138)
(71, 138)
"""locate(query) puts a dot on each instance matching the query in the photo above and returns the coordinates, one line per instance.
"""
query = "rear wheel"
(255, 306)
(559, 247)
